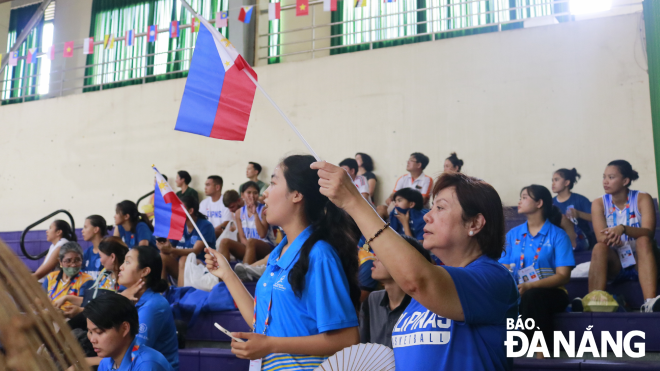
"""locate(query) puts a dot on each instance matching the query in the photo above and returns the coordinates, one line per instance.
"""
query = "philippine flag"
(246, 14)
(153, 33)
(217, 101)
(31, 57)
(169, 217)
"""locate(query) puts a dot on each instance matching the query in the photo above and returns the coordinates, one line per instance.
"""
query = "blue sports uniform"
(138, 358)
(157, 328)
(585, 237)
(142, 232)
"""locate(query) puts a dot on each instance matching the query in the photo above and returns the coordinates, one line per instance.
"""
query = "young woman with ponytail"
(133, 227)
(94, 229)
(141, 273)
(305, 302)
(58, 234)
(540, 256)
(575, 207)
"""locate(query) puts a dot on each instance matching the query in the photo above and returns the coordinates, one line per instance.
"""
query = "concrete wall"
(515, 105)
(5, 10)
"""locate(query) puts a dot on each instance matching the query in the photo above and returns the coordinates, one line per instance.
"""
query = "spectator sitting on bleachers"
(133, 227)
(113, 325)
(140, 273)
(407, 218)
(624, 223)
(214, 207)
(351, 167)
(63, 287)
(540, 251)
(182, 181)
(305, 303)
(174, 253)
(366, 168)
(382, 309)
(252, 173)
(415, 179)
(575, 207)
(94, 229)
(453, 163)
(255, 237)
(57, 234)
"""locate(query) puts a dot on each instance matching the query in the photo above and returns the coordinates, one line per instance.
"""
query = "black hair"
(540, 193)
(256, 167)
(110, 311)
(350, 163)
(164, 176)
(230, 197)
(129, 208)
(571, 175)
(191, 203)
(249, 184)
(185, 176)
(412, 196)
(99, 222)
(150, 257)
(418, 246)
(455, 161)
(114, 245)
(625, 169)
(367, 162)
(421, 158)
(217, 179)
(328, 223)
(67, 232)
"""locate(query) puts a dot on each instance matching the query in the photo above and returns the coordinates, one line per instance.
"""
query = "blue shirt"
(556, 251)
(325, 303)
(157, 328)
(91, 262)
(582, 228)
(415, 221)
(142, 232)
(190, 238)
(423, 340)
(141, 359)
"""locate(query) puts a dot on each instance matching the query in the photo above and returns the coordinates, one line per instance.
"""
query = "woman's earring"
(471, 233)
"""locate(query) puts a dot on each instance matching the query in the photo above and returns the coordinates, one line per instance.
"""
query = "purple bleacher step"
(211, 359)
(204, 329)
(631, 291)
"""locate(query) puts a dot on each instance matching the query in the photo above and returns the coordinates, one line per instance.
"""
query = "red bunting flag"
(68, 49)
(302, 7)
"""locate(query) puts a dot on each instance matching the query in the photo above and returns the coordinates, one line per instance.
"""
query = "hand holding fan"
(360, 357)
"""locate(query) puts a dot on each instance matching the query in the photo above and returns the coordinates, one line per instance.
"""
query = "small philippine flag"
(246, 14)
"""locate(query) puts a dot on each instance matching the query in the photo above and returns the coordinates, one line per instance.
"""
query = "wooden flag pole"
(217, 34)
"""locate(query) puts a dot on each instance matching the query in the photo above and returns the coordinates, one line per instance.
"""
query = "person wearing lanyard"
(64, 287)
(94, 229)
(141, 274)
(576, 207)
(456, 319)
(540, 256)
(624, 222)
(133, 228)
(113, 324)
(305, 305)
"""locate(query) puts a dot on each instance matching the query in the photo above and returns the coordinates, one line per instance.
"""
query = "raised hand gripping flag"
(302, 7)
(329, 5)
(221, 19)
(245, 14)
(217, 101)
(88, 45)
(130, 38)
(68, 49)
(174, 29)
(274, 11)
(169, 217)
(153, 33)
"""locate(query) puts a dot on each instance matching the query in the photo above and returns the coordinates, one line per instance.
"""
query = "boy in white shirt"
(215, 208)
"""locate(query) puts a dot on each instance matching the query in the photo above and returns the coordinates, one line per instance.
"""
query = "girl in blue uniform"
(456, 319)
(305, 302)
(624, 222)
(133, 228)
(157, 330)
(94, 229)
(575, 207)
(540, 256)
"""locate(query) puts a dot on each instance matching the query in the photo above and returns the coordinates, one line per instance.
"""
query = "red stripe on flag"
(178, 219)
(233, 114)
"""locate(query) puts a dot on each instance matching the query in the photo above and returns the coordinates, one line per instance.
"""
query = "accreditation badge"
(626, 255)
(527, 274)
(255, 365)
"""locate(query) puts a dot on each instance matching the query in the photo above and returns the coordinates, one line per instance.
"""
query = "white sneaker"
(255, 272)
(651, 306)
(241, 272)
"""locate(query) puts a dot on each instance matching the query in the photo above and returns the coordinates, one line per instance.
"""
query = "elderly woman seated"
(63, 286)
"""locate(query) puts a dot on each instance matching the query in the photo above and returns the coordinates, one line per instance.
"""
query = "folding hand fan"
(360, 357)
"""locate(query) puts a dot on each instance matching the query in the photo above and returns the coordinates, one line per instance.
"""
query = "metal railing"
(42, 254)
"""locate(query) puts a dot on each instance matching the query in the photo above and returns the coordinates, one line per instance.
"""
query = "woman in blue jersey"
(133, 228)
(94, 229)
(624, 222)
(255, 237)
(575, 207)
(540, 256)
(157, 330)
(456, 319)
(305, 302)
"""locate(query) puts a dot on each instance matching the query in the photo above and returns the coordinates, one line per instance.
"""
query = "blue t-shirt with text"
(191, 237)
(157, 329)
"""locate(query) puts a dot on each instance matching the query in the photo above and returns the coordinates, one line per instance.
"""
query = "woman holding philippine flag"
(304, 307)
(456, 319)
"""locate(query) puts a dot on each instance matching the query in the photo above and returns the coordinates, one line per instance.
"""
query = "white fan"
(360, 357)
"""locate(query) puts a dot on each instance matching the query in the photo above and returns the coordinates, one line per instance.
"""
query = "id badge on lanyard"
(626, 255)
(527, 274)
(255, 364)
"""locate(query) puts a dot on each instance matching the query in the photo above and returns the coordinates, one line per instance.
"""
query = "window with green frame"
(144, 61)
(20, 82)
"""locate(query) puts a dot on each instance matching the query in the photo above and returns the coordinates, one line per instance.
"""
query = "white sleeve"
(362, 185)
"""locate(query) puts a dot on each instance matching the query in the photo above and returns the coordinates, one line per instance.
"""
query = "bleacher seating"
(35, 243)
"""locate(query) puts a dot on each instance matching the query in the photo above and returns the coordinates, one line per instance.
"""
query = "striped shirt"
(281, 361)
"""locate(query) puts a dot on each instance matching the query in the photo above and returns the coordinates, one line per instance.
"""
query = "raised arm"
(261, 223)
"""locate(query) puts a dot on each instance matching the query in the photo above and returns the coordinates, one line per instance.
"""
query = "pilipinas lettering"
(407, 330)
(211, 214)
